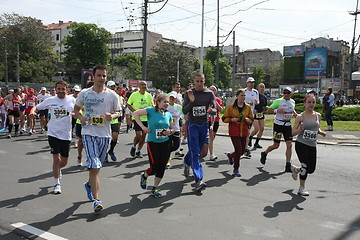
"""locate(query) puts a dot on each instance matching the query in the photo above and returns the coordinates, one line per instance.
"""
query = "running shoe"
(30, 132)
(88, 191)
(97, 206)
(155, 192)
(186, 170)
(263, 158)
(303, 192)
(230, 159)
(79, 162)
(132, 151)
(288, 167)
(200, 186)
(16, 134)
(42, 131)
(139, 155)
(213, 157)
(256, 145)
(143, 180)
(236, 173)
(179, 154)
(112, 156)
(247, 153)
(294, 174)
(57, 189)
(33, 131)
(9, 136)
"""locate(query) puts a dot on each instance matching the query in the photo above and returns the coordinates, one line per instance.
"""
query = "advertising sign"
(334, 83)
(297, 50)
(315, 63)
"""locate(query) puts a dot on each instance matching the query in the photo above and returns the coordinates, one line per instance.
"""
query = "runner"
(101, 105)
(43, 113)
(30, 103)
(14, 102)
(284, 109)
(160, 126)
(197, 101)
(128, 112)
(307, 127)
(214, 119)
(59, 128)
(139, 100)
(239, 116)
(259, 118)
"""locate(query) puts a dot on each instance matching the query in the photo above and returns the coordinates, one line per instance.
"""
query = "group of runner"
(161, 122)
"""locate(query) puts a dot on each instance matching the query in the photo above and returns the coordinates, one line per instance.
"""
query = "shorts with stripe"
(96, 149)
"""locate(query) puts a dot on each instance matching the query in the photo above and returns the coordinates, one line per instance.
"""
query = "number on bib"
(199, 111)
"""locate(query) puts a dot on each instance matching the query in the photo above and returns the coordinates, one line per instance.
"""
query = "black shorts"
(259, 116)
(216, 126)
(137, 127)
(115, 127)
(14, 113)
(59, 146)
(22, 108)
(78, 130)
(279, 130)
(44, 112)
(73, 122)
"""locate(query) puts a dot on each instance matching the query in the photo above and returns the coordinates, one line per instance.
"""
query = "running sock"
(16, 127)
(250, 139)
(10, 128)
(302, 185)
(57, 180)
(112, 146)
(257, 141)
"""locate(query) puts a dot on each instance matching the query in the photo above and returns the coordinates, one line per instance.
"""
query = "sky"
(257, 23)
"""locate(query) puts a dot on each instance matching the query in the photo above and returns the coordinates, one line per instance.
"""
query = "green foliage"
(225, 69)
(38, 61)
(208, 71)
(259, 74)
(276, 75)
(132, 63)
(86, 47)
(211, 54)
(346, 114)
(162, 67)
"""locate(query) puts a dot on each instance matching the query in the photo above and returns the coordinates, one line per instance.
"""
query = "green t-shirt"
(140, 101)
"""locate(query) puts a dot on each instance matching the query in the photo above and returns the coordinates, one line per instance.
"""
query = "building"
(59, 31)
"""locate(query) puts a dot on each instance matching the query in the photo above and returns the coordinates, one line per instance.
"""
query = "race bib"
(16, 105)
(199, 111)
(31, 104)
(259, 115)
(60, 112)
(174, 120)
(310, 135)
(277, 136)
(287, 116)
(97, 120)
(159, 134)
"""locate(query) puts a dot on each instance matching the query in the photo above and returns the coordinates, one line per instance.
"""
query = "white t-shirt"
(176, 113)
(40, 97)
(250, 97)
(95, 106)
(60, 111)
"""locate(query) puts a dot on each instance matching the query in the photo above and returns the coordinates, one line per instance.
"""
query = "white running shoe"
(303, 192)
(294, 174)
(57, 189)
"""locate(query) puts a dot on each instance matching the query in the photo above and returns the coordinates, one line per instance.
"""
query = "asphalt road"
(262, 204)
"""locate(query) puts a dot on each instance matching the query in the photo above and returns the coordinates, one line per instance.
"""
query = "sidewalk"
(343, 138)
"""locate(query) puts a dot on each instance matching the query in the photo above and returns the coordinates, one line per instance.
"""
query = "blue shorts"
(96, 149)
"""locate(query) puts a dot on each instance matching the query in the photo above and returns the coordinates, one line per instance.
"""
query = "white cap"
(250, 79)
(173, 94)
(212, 86)
(287, 89)
(43, 89)
(77, 88)
(110, 83)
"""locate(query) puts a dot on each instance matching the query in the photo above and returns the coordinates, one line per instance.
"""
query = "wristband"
(275, 110)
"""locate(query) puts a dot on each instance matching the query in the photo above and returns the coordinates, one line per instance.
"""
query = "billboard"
(297, 50)
(334, 83)
(315, 63)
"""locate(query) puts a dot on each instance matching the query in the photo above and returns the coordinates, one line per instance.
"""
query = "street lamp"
(6, 66)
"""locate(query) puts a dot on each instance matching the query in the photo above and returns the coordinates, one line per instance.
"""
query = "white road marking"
(345, 136)
(36, 231)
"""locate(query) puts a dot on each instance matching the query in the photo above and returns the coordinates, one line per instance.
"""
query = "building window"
(57, 37)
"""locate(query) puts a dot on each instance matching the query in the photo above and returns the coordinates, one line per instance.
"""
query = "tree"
(208, 71)
(132, 63)
(85, 47)
(162, 67)
(276, 75)
(38, 61)
(259, 74)
(225, 76)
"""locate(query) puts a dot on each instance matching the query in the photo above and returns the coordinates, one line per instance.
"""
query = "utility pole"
(351, 83)
(18, 66)
(202, 39)
(217, 45)
(234, 65)
(6, 67)
(144, 63)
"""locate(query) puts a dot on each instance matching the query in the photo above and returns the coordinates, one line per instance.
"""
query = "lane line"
(36, 231)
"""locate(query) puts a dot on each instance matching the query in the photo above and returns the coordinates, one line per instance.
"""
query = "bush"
(346, 114)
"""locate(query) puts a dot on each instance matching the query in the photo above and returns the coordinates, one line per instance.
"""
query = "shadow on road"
(261, 177)
(351, 228)
(64, 171)
(284, 206)
(14, 202)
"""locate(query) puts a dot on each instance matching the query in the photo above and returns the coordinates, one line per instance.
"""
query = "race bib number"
(277, 136)
(199, 111)
(310, 135)
(174, 120)
(16, 105)
(60, 112)
(97, 120)
(287, 116)
(31, 104)
(159, 134)
(259, 115)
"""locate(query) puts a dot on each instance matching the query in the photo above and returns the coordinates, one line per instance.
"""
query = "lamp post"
(6, 66)
(351, 82)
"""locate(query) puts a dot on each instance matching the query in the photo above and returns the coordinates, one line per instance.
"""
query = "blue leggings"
(197, 135)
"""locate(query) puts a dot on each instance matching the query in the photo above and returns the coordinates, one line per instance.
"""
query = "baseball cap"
(77, 88)
(287, 89)
(173, 94)
(110, 83)
(43, 89)
(31, 90)
(250, 79)
(212, 86)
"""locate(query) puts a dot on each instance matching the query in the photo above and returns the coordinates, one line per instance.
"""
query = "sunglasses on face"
(287, 92)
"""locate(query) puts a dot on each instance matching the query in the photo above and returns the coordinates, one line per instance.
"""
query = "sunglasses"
(287, 92)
